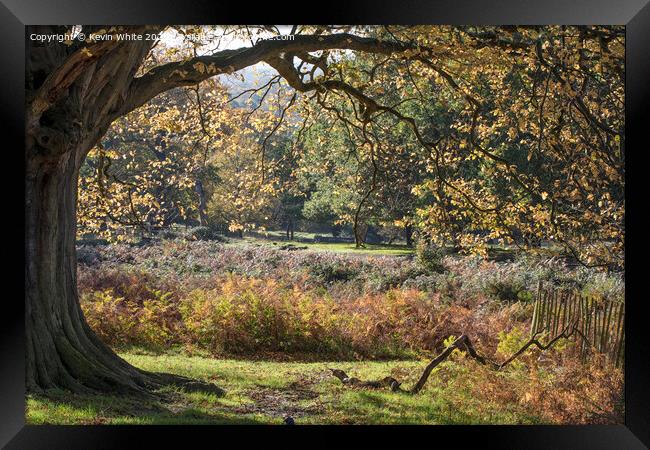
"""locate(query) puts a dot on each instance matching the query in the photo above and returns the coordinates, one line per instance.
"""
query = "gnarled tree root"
(184, 383)
(462, 343)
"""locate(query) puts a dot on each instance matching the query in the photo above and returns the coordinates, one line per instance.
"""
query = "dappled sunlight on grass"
(459, 392)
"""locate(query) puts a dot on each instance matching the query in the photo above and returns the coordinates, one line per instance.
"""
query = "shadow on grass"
(173, 407)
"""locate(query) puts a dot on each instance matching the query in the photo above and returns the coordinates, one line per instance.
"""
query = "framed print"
(375, 220)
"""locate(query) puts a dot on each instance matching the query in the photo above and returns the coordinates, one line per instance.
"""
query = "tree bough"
(462, 343)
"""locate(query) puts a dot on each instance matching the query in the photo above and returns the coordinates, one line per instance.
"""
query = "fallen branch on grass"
(388, 382)
(462, 343)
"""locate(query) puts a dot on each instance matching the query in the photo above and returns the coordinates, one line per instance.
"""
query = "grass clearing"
(264, 392)
(337, 247)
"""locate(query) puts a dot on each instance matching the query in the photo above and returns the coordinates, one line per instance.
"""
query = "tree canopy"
(470, 135)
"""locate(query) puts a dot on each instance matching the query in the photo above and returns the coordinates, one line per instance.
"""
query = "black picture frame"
(16, 14)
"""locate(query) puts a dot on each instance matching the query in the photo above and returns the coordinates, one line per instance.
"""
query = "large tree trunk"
(64, 120)
(61, 350)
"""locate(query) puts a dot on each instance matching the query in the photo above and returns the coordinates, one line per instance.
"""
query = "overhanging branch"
(197, 69)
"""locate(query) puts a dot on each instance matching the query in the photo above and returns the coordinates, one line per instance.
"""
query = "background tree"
(338, 176)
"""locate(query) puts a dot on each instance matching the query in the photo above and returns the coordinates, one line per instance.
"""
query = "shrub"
(136, 286)
(158, 321)
(321, 302)
(181, 264)
(109, 316)
(153, 323)
(169, 234)
(87, 255)
(510, 342)
(508, 290)
(245, 315)
(248, 315)
(331, 271)
(427, 283)
(430, 257)
(203, 233)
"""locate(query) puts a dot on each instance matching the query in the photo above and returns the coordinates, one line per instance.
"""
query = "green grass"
(264, 392)
(275, 234)
(338, 247)
(374, 249)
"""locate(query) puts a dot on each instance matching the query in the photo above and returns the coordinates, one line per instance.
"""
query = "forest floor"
(265, 392)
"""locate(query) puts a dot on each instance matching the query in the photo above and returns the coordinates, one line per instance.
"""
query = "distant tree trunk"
(360, 231)
(200, 192)
(290, 229)
(408, 233)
